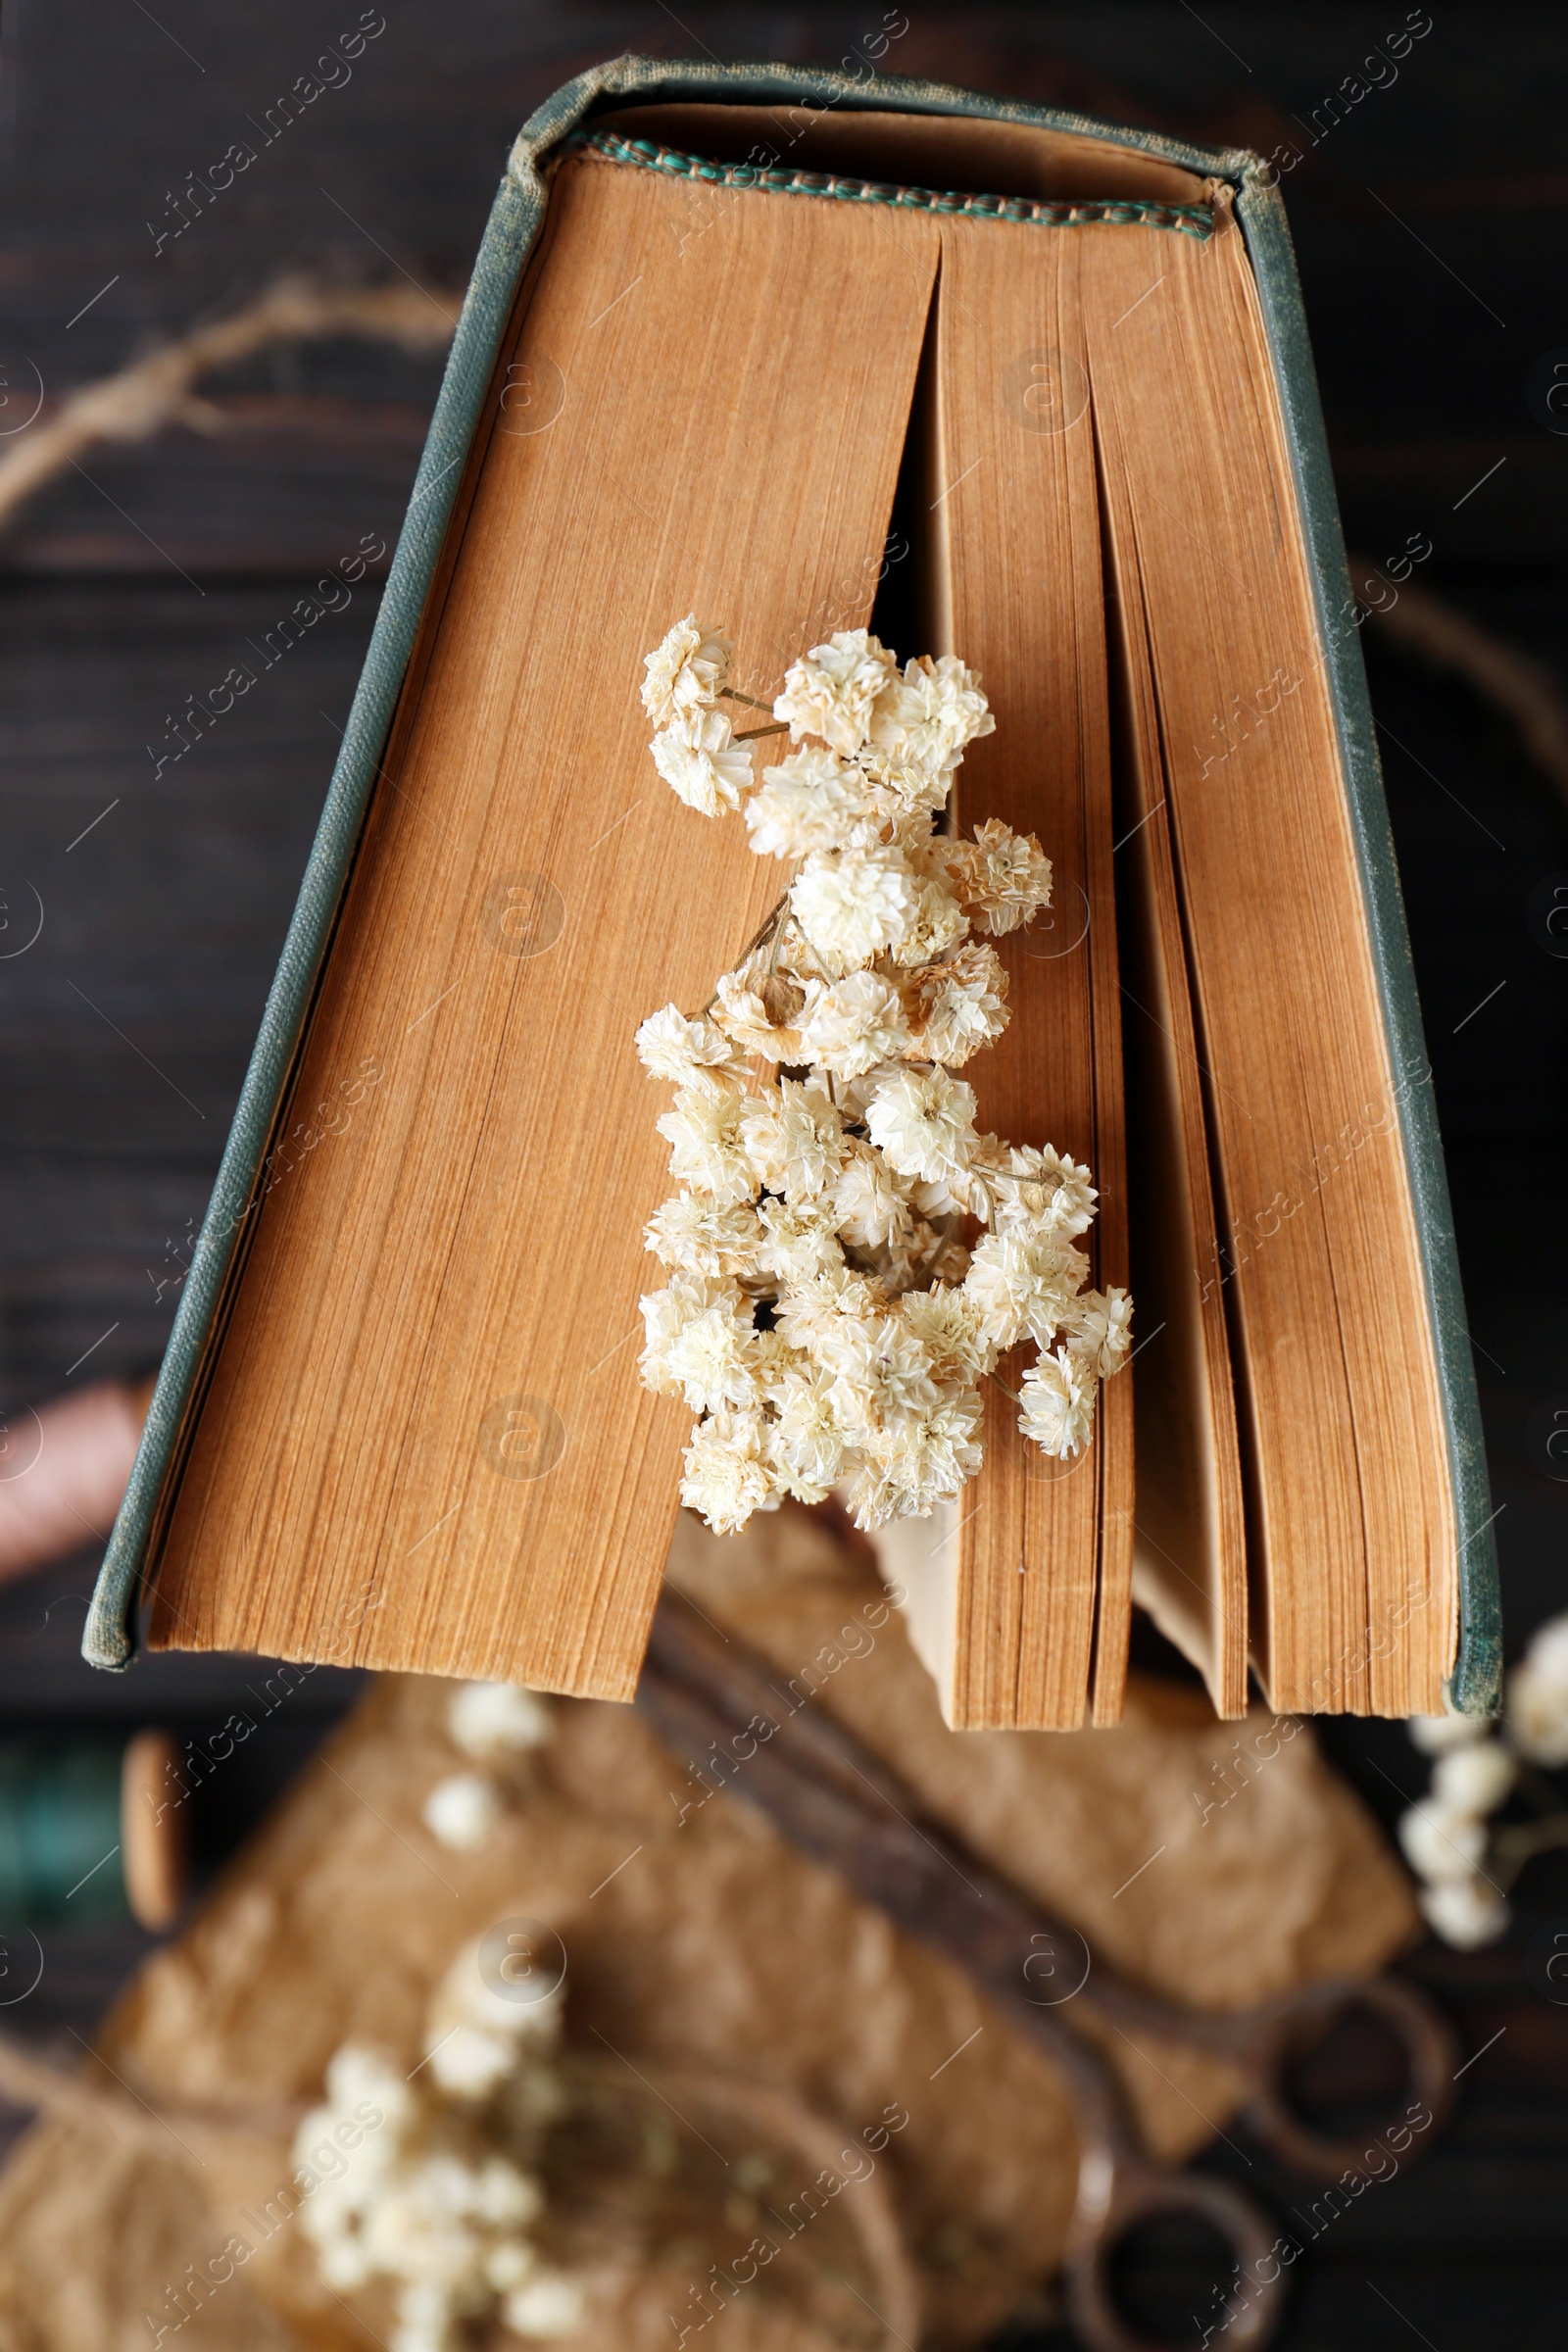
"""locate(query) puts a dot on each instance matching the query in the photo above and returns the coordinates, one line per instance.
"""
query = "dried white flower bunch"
(1466, 1870)
(438, 2199)
(499, 1725)
(825, 1315)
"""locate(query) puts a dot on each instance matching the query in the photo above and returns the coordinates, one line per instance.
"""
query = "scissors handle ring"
(1139, 2191)
(1431, 2055)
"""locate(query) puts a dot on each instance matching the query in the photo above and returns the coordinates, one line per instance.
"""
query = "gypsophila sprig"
(440, 2203)
(849, 1257)
(1467, 1862)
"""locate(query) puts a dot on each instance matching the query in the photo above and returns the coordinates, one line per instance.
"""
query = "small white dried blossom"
(794, 1140)
(922, 1121)
(853, 903)
(810, 1312)
(850, 1025)
(707, 1150)
(935, 927)
(688, 670)
(1002, 878)
(1436, 1734)
(1476, 1778)
(474, 2032)
(904, 1472)
(910, 831)
(427, 2316)
(711, 1361)
(810, 801)
(1044, 1188)
(1025, 1282)
(1465, 1912)
(548, 2305)
(1057, 1404)
(444, 2198)
(869, 1208)
(1100, 1329)
(686, 1052)
(1441, 1842)
(882, 1376)
(926, 721)
(743, 1013)
(798, 1242)
(699, 760)
(469, 2063)
(1537, 1696)
(951, 1328)
(697, 1334)
(808, 1441)
(830, 691)
(1444, 1836)
(369, 2103)
(497, 1719)
(1476, 1765)
(508, 2266)
(665, 1315)
(726, 1471)
(703, 1235)
(464, 1811)
(956, 1004)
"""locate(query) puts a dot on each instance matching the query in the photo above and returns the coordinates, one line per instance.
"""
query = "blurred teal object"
(60, 1833)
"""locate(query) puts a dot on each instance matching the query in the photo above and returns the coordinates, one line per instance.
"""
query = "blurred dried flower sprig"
(160, 389)
(513, 2185)
(440, 2204)
(1468, 1867)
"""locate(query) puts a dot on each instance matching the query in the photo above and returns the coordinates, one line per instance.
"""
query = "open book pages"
(1032, 415)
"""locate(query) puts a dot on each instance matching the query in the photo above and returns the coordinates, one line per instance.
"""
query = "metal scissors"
(840, 1803)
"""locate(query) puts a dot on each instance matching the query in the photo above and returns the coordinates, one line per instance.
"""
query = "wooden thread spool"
(85, 1832)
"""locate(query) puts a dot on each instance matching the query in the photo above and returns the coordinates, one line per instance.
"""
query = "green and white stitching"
(1188, 220)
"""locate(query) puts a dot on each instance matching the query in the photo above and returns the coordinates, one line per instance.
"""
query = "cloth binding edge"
(1188, 220)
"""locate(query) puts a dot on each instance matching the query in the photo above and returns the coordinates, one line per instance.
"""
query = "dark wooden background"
(1430, 227)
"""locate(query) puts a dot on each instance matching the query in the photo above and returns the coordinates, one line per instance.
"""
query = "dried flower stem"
(765, 929)
(758, 939)
(1513, 1848)
(779, 929)
(783, 924)
(1538, 1791)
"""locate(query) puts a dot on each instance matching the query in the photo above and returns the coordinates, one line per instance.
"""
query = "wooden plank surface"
(1431, 300)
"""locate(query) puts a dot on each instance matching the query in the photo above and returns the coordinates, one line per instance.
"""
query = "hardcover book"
(805, 356)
